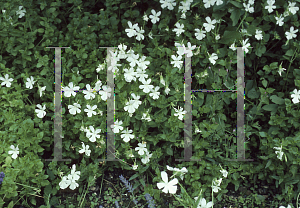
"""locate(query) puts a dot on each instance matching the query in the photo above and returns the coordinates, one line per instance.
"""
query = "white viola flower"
(146, 158)
(219, 2)
(117, 126)
(291, 34)
(90, 110)
(126, 135)
(188, 49)
(145, 18)
(179, 113)
(155, 17)
(130, 106)
(177, 61)
(141, 148)
(73, 109)
(270, 6)
(98, 85)
(105, 93)
(281, 69)
(258, 35)
(279, 20)
(132, 29)
(209, 25)
(134, 167)
(100, 67)
(251, 2)
(85, 149)
(217, 37)
(296, 96)
(224, 172)
(30, 82)
(145, 117)
(21, 12)
(168, 187)
(130, 74)
(179, 29)
(168, 3)
(248, 8)
(6, 81)
(142, 63)
(200, 34)
(122, 51)
(183, 16)
(212, 58)
(74, 175)
(155, 94)
(141, 74)
(279, 153)
(146, 86)
(92, 134)
(139, 34)
(185, 6)
(68, 91)
(64, 183)
(292, 8)
(41, 111)
(137, 102)
(41, 90)
(202, 203)
(133, 59)
(88, 93)
(167, 90)
(180, 49)
(245, 45)
(232, 47)
(208, 3)
(150, 35)
(14, 152)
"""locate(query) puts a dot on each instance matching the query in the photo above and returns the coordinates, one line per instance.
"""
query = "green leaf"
(270, 107)
(41, 30)
(262, 134)
(133, 177)
(39, 65)
(277, 100)
(260, 50)
(253, 94)
(265, 83)
(44, 71)
(237, 4)
(229, 37)
(235, 15)
(290, 52)
(268, 163)
(169, 151)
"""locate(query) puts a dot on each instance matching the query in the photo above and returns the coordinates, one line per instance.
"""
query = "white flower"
(146, 118)
(150, 35)
(200, 34)
(245, 45)
(213, 57)
(167, 90)
(70, 90)
(208, 3)
(185, 6)
(232, 47)
(179, 113)
(88, 93)
(41, 111)
(14, 152)
(74, 108)
(155, 17)
(141, 148)
(64, 183)
(289, 206)
(179, 29)
(248, 8)
(258, 35)
(131, 31)
(21, 12)
(145, 18)
(202, 203)
(296, 96)
(41, 90)
(30, 82)
(224, 172)
(134, 167)
(188, 49)
(142, 63)
(90, 110)
(291, 34)
(168, 186)
(100, 67)
(180, 48)
(137, 102)
(177, 61)
(168, 3)
(182, 171)
(279, 20)
(130, 106)
(217, 37)
(270, 6)
(7, 81)
(281, 69)
(73, 177)
(139, 34)
(141, 74)
(105, 93)
(280, 153)
(209, 25)
(122, 53)
(117, 126)
(146, 86)
(85, 149)
(292, 7)
(183, 16)
(92, 134)
(146, 158)
(126, 135)
(155, 94)
(98, 85)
